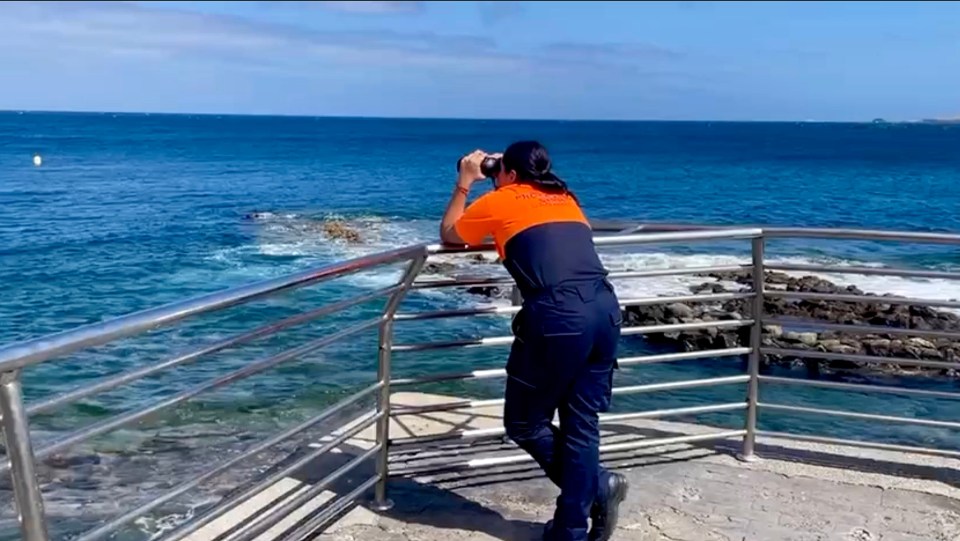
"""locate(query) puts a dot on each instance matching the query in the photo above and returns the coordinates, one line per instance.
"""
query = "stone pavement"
(693, 492)
(696, 495)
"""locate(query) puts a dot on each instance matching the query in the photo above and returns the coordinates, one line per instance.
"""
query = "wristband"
(463, 190)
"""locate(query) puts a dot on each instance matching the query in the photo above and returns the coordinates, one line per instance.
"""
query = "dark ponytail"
(533, 166)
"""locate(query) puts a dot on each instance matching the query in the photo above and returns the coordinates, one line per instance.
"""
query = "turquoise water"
(132, 211)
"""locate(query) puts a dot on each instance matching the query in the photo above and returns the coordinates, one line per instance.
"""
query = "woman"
(566, 333)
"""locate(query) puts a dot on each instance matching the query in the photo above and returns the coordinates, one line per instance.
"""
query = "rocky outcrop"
(449, 268)
(339, 230)
(874, 313)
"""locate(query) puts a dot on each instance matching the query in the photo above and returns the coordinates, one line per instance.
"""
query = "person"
(565, 334)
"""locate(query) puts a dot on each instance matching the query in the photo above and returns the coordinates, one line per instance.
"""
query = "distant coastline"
(954, 120)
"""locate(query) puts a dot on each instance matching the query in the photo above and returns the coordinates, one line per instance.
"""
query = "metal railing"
(23, 456)
(753, 235)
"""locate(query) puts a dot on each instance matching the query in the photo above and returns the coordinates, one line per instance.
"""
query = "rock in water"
(339, 230)
(438, 267)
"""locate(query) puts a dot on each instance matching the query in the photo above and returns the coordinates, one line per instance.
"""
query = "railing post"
(753, 365)
(381, 501)
(16, 436)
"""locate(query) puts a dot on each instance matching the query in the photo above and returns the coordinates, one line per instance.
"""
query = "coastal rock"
(681, 310)
(869, 312)
(491, 292)
(339, 230)
(438, 267)
(773, 331)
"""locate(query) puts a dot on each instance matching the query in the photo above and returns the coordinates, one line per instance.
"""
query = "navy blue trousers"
(562, 361)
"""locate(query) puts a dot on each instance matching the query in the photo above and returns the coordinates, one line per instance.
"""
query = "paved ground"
(698, 492)
(692, 496)
(683, 492)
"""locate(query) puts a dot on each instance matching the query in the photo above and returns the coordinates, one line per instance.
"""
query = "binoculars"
(490, 166)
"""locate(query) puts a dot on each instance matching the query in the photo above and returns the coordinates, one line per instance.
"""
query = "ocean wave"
(300, 240)
(938, 289)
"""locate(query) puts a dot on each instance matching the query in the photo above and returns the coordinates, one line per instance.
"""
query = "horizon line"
(445, 118)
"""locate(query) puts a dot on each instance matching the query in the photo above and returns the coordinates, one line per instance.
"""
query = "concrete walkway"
(694, 492)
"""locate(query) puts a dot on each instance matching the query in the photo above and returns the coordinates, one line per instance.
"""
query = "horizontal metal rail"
(22, 354)
(862, 329)
(278, 514)
(858, 387)
(796, 232)
(871, 359)
(628, 331)
(480, 433)
(604, 449)
(626, 361)
(633, 389)
(618, 275)
(450, 406)
(866, 271)
(452, 376)
(685, 356)
(859, 299)
(266, 330)
(355, 428)
(861, 416)
(859, 443)
(624, 240)
(643, 301)
(183, 488)
(677, 385)
(673, 412)
(465, 282)
(861, 234)
(682, 271)
(114, 423)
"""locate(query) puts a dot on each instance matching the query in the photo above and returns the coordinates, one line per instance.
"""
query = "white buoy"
(37, 160)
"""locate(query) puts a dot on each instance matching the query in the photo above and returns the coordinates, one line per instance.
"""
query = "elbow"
(448, 235)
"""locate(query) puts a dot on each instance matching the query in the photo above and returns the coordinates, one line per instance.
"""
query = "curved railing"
(22, 455)
(14, 415)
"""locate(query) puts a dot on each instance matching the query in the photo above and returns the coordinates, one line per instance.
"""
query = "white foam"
(156, 528)
(289, 235)
(938, 289)
(292, 236)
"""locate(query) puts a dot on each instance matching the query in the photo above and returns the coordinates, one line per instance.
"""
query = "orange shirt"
(507, 211)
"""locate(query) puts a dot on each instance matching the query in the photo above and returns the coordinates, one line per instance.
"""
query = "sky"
(831, 61)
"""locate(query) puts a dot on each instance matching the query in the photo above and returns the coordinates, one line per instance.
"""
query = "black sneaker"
(606, 511)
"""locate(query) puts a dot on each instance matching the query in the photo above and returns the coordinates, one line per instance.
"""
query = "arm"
(469, 173)
(455, 209)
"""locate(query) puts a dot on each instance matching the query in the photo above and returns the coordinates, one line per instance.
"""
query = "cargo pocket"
(520, 363)
(603, 381)
(561, 319)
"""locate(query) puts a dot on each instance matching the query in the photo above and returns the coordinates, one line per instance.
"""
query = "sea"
(131, 211)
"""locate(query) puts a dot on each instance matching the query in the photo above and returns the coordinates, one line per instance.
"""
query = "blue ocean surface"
(129, 212)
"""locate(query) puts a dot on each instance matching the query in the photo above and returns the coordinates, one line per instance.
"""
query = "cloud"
(139, 55)
(119, 29)
(379, 8)
(122, 29)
